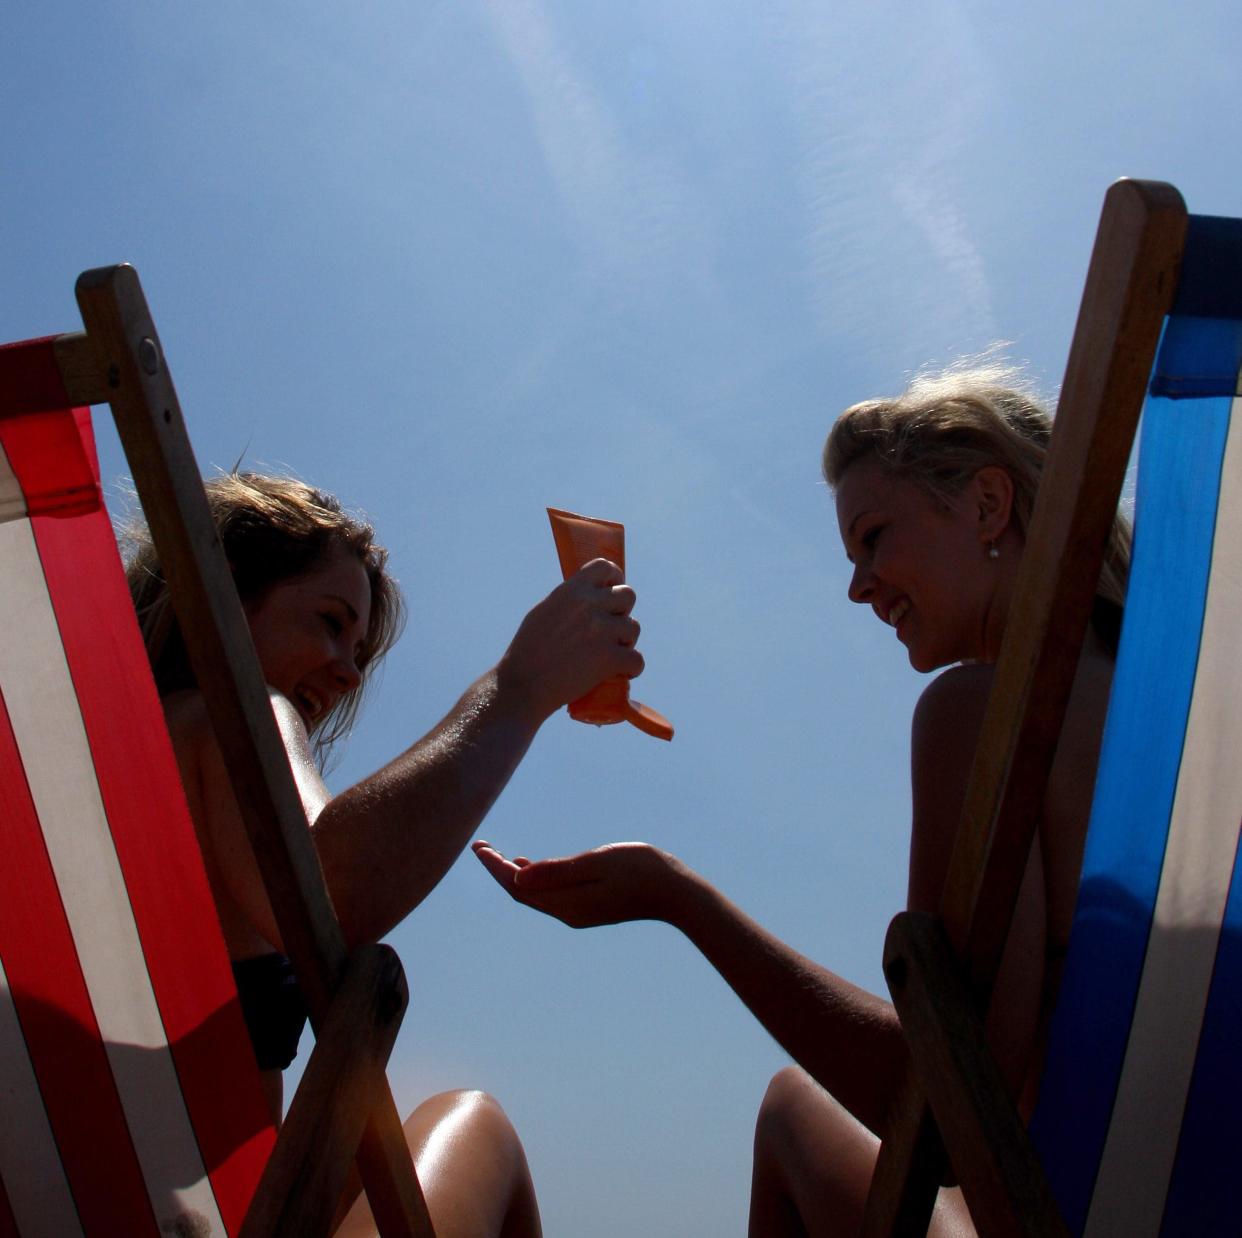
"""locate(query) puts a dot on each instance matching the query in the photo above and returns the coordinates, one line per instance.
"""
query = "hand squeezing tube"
(579, 539)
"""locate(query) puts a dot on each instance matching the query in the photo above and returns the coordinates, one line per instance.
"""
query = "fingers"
(501, 869)
(621, 599)
(604, 574)
(614, 603)
(504, 870)
(545, 897)
(625, 627)
(601, 572)
(555, 874)
(533, 874)
(581, 635)
(607, 577)
(634, 662)
(492, 860)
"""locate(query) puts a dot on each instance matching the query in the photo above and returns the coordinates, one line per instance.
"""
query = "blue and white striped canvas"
(1138, 1109)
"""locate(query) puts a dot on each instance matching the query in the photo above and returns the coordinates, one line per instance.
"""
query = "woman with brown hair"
(323, 611)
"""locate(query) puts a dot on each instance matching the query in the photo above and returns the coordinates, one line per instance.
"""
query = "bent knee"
(788, 1082)
(483, 1108)
(471, 1099)
(797, 1111)
(787, 1089)
(786, 1095)
(465, 1114)
(470, 1162)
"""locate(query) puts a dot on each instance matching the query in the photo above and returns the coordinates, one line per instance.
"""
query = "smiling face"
(309, 632)
(925, 570)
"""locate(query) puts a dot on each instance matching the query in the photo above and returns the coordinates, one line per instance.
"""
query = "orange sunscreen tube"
(579, 539)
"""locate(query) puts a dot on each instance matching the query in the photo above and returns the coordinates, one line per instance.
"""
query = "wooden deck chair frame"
(940, 968)
(343, 1109)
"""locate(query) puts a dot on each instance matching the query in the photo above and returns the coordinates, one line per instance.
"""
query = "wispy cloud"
(929, 188)
(629, 209)
(884, 130)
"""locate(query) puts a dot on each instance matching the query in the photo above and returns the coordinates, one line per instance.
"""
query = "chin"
(916, 658)
(924, 663)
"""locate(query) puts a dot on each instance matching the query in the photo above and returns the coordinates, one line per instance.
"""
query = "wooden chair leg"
(340, 1089)
(392, 1187)
(1001, 1176)
(908, 1170)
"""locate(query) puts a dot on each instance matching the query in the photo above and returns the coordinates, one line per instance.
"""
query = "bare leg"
(472, 1169)
(813, 1165)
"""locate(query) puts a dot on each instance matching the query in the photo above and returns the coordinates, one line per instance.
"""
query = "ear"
(991, 496)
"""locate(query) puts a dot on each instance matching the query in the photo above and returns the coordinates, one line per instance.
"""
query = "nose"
(346, 673)
(862, 583)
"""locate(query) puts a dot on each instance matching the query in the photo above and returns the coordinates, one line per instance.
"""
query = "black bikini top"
(273, 1007)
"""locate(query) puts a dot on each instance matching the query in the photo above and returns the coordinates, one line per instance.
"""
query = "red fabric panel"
(156, 845)
(61, 472)
(57, 1019)
(30, 380)
(58, 471)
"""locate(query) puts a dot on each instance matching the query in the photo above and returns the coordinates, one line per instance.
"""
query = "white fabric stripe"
(52, 741)
(1194, 884)
(12, 501)
(34, 1178)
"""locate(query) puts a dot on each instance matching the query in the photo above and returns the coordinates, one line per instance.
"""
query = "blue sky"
(459, 262)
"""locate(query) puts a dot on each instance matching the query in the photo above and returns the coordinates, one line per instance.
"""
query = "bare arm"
(849, 1040)
(845, 1037)
(386, 842)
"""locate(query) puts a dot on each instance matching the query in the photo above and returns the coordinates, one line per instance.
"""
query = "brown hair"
(945, 427)
(272, 529)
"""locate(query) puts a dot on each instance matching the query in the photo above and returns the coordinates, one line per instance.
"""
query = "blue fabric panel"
(1180, 457)
(1198, 357)
(1210, 282)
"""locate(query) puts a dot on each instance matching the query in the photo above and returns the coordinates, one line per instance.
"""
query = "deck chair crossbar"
(1150, 261)
(343, 1108)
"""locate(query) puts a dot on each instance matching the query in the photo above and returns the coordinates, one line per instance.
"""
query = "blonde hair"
(272, 529)
(945, 427)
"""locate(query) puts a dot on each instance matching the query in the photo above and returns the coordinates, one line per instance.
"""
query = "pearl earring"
(993, 553)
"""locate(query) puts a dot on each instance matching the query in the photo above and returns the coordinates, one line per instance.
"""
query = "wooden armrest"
(343, 1082)
(1001, 1176)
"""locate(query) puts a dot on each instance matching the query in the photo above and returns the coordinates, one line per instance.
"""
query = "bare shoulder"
(289, 721)
(187, 717)
(186, 711)
(944, 733)
(198, 749)
(189, 728)
(953, 701)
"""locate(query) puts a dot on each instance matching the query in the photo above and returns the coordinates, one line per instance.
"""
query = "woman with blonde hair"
(934, 492)
(323, 611)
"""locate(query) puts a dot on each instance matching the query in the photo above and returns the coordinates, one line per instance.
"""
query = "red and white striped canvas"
(131, 1098)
